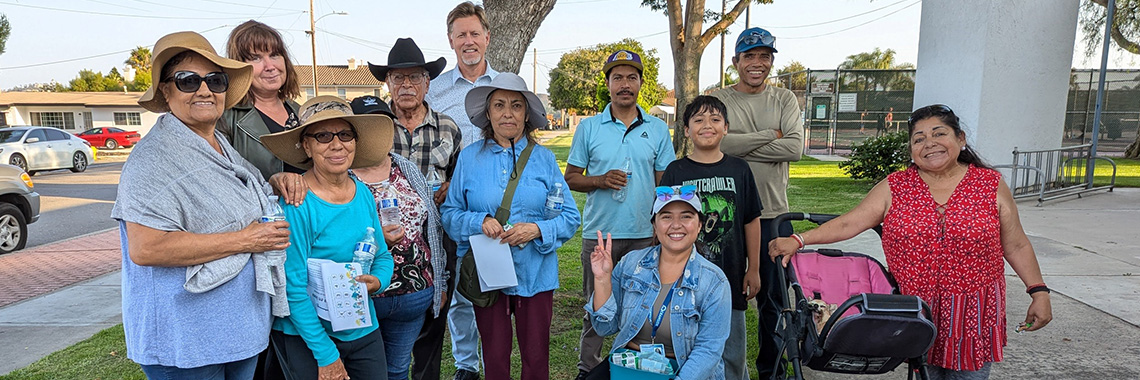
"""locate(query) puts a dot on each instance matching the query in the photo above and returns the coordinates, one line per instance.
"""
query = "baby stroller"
(873, 329)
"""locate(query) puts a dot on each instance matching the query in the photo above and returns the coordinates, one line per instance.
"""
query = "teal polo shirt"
(601, 144)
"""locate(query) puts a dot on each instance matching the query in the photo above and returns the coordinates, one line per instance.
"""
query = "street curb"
(68, 239)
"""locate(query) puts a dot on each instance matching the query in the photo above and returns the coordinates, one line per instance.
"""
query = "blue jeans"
(464, 332)
(399, 319)
(238, 370)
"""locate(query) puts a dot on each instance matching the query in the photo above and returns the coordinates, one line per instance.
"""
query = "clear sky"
(98, 34)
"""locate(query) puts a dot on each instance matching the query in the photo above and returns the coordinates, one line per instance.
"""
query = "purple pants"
(532, 317)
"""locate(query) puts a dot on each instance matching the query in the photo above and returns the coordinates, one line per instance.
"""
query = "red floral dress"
(954, 261)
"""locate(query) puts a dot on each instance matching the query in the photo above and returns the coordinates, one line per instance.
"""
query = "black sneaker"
(582, 374)
(463, 374)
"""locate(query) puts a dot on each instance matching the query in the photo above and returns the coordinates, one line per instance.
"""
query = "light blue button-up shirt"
(447, 94)
(698, 317)
(476, 191)
(601, 144)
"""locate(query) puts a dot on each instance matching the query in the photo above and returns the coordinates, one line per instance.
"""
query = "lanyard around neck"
(656, 322)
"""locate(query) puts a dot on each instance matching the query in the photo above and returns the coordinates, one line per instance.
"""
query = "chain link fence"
(844, 107)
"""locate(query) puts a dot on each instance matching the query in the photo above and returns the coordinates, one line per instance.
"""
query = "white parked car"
(42, 148)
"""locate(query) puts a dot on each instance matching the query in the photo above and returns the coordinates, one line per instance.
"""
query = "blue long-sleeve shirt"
(477, 187)
(323, 230)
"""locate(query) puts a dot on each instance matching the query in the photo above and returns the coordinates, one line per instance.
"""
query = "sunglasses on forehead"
(327, 137)
(666, 193)
(190, 82)
(936, 109)
(754, 37)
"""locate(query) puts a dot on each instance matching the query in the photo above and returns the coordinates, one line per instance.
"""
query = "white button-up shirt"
(447, 94)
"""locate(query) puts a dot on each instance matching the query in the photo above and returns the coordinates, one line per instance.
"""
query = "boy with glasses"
(732, 207)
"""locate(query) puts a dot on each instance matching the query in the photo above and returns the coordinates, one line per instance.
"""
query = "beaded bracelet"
(798, 240)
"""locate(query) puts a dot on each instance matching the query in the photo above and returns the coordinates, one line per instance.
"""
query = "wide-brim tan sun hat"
(476, 102)
(240, 73)
(374, 133)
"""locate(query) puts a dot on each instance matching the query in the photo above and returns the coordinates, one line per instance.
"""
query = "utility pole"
(748, 16)
(534, 83)
(723, 10)
(313, 41)
(1090, 168)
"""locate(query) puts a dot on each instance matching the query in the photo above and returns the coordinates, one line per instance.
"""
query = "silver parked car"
(42, 148)
(19, 206)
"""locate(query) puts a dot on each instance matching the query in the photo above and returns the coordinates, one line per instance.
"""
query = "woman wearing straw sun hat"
(508, 114)
(336, 214)
(198, 270)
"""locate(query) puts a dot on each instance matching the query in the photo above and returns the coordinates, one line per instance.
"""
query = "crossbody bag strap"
(504, 211)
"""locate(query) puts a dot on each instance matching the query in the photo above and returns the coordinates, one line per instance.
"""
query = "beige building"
(346, 81)
(75, 111)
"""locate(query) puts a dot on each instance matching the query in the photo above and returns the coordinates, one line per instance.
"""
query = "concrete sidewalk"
(1088, 249)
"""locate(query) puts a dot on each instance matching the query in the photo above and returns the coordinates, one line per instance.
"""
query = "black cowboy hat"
(405, 54)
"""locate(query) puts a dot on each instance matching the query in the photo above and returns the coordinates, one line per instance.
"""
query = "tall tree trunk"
(687, 86)
(688, 41)
(513, 26)
(1133, 150)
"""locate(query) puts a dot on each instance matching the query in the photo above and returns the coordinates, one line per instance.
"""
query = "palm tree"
(139, 59)
(878, 60)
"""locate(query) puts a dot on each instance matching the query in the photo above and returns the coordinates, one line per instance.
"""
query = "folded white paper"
(496, 265)
(336, 294)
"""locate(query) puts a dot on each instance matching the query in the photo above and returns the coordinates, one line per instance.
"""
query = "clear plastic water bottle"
(389, 206)
(273, 212)
(365, 250)
(627, 167)
(554, 200)
(434, 181)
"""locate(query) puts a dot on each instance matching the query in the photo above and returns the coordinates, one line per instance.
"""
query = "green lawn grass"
(815, 186)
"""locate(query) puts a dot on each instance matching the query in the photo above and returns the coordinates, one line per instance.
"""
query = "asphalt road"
(74, 204)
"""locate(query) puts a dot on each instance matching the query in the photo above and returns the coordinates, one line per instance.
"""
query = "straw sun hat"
(240, 73)
(374, 133)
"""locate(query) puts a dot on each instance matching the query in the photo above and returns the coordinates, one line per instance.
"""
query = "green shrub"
(876, 157)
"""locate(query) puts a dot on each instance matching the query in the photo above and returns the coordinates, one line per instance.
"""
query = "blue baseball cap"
(623, 57)
(752, 38)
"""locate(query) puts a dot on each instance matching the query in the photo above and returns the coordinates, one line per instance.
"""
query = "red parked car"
(110, 137)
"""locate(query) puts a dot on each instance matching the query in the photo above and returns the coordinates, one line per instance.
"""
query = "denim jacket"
(701, 310)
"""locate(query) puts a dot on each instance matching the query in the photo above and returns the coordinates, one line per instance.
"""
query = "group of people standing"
(210, 292)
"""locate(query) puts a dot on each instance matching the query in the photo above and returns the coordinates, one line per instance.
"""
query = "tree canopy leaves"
(578, 83)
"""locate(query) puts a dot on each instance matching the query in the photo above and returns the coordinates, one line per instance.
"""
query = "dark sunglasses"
(754, 37)
(935, 109)
(190, 82)
(666, 193)
(326, 137)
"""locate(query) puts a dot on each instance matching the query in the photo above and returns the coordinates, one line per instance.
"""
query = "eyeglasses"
(190, 82)
(752, 38)
(666, 193)
(416, 78)
(326, 137)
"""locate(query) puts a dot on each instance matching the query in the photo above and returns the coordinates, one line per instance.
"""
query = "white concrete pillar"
(1002, 65)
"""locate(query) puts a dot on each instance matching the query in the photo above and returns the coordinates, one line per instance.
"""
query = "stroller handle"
(789, 216)
(818, 219)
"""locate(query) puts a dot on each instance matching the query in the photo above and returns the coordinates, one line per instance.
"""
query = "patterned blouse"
(951, 256)
(412, 258)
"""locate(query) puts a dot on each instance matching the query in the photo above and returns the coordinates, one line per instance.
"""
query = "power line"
(95, 56)
(559, 50)
(188, 8)
(118, 5)
(838, 19)
(856, 26)
(130, 15)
